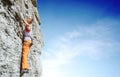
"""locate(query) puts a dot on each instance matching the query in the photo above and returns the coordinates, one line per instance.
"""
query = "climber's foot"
(24, 71)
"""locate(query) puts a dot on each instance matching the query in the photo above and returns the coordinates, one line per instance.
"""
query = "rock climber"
(27, 42)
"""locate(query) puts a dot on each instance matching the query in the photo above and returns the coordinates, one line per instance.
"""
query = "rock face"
(11, 34)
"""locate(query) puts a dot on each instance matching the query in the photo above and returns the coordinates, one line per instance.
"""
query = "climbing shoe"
(24, 71)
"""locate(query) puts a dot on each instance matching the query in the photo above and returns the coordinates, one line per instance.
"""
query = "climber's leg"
(25, 52)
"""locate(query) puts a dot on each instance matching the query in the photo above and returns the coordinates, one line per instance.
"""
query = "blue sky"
(81, 38)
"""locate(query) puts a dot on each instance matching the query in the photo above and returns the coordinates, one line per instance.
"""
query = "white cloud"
(93, 41)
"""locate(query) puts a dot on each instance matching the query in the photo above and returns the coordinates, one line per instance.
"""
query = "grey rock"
(34, 3)
(11, 34)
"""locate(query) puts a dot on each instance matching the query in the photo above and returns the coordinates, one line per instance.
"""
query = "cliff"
(11, 34)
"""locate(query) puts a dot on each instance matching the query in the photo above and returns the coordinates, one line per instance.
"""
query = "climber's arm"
(21, 15)
(25, 22)
(27, 26)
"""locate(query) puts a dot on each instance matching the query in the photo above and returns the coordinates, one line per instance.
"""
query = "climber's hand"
(31, 44)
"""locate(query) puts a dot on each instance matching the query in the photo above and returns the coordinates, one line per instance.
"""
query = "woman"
(27, 42)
